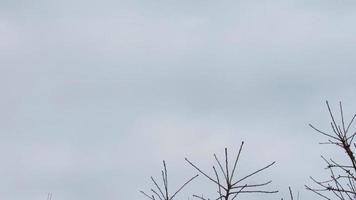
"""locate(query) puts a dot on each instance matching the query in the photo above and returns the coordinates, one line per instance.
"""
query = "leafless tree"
(160, 193)
(228, 185)
(342, 181)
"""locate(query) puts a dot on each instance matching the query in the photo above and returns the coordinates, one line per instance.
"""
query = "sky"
(95, 94)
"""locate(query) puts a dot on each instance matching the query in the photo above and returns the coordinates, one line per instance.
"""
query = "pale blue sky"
(94, 94)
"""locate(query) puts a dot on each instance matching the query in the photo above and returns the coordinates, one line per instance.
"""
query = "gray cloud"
(95, 94)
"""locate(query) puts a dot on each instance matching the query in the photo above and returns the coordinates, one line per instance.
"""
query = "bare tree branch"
(341, 183)
(164, 195)
(229, 190)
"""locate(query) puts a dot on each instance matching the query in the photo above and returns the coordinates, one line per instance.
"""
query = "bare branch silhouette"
(163, 193)
(229, 186)
(291, 196)
(342, 181)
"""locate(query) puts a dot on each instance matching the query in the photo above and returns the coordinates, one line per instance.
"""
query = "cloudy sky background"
(95, 94)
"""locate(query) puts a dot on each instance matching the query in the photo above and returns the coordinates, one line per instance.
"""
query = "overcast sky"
(95, 94)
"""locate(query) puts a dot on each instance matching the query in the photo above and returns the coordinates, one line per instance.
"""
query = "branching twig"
(231, 186)
(342, 181)
(164, 194)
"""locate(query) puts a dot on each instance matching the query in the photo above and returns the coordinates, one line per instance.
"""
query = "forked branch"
(162, 193)
(342, 182)
(229, 186)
